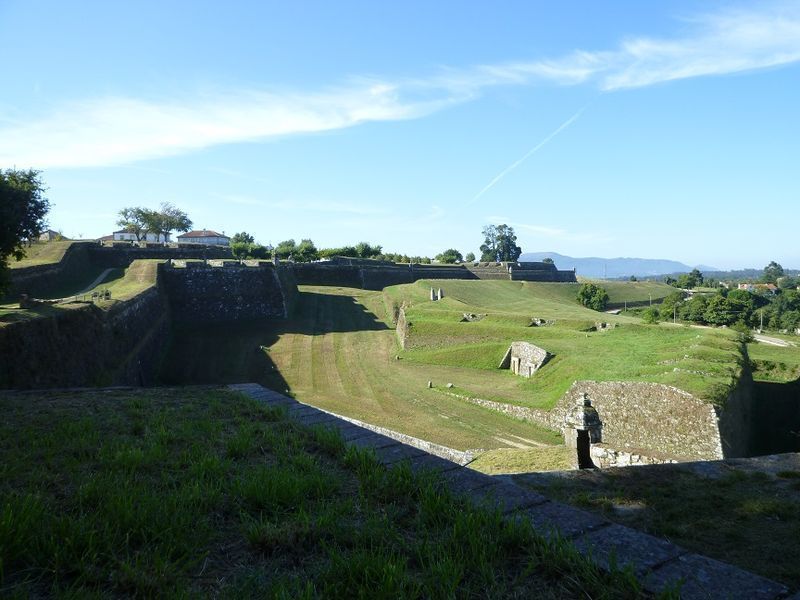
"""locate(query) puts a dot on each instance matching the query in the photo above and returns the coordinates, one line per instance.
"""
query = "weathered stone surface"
(638, 415)
(428, 462)
(203, 293)
(349, 431)
(374, 441)
(466, 480)
(392, 454)
(298, 410)
(704, 577)
(506, 496)
(317, 418)
(627, 547)
(551, 518)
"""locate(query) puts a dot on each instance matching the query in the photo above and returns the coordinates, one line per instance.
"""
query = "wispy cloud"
(120, 130)
(525, 157)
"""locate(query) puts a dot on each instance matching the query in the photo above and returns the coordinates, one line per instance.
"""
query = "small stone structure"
(537, 322)
(583, 428)
(472, 317)
(523, 358)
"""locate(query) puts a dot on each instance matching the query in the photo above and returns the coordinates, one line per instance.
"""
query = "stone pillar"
(583, 428)
(439, 294)
(433, 295)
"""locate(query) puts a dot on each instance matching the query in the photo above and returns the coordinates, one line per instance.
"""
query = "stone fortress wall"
(123, 344)
(376, 275)
(227, 291)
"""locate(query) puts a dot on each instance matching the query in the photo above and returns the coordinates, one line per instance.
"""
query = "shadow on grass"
(776, 415)
(218, 353)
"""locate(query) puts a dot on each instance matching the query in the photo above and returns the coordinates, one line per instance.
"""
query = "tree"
(240, 250)
(548, 261)
(470, 257)
(134, 220)
(306, 251)
(450, 256)
(22, 214)
(690, 280)
(169, 218)
(771, 272)
(365, 250)
(285, 249)
(592, 296)
(242, 237)
(499, 244)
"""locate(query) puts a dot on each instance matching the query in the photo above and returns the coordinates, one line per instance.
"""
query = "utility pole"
(761, 327)
(651, 299)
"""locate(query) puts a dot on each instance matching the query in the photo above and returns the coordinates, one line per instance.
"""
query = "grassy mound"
(700, 361)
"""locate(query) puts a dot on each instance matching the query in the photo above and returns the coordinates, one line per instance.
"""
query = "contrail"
(533, 150)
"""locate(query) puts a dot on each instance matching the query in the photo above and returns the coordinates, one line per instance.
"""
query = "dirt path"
(95, 283)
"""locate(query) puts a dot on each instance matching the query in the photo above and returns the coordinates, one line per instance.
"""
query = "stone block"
(374, 441)
(428, 462)
(628, 547)
(350, 432)
(318, 418)
(507, 497)
(554, 518)
(392, 454)
(704, 577)
(465, 481)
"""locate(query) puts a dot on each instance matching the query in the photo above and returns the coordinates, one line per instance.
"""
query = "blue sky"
(663, 130)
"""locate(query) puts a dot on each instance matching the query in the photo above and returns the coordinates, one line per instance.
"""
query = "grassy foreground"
(204, 492)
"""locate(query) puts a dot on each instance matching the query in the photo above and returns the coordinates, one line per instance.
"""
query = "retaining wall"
(87, 345)
(38, 279)
(202, 293)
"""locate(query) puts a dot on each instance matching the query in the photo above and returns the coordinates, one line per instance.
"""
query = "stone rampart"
(39, 279)
(121, 257)
(376, 275)
(639, 415)
(203, 293)
(86, 345)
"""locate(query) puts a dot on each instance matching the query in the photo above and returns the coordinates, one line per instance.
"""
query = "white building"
(127, 236)
(204, 236)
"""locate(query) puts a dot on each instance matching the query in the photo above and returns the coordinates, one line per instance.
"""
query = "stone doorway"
(584, 454)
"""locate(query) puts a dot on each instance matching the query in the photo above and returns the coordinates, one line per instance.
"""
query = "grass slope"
(205, 493)
(123, 284)
(701, 361)
(42, 253)
(337, 354)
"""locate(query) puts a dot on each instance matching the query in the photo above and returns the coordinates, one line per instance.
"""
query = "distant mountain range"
(612, 268)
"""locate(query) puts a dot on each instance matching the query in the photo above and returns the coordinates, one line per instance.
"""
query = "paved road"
(772, 341)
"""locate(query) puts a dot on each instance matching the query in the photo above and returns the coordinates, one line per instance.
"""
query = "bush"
(592, 296)
(650, 315)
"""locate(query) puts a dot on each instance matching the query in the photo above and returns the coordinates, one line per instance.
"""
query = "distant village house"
(204, 236)
(49, 236)
(127, 236)
(757, 288)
